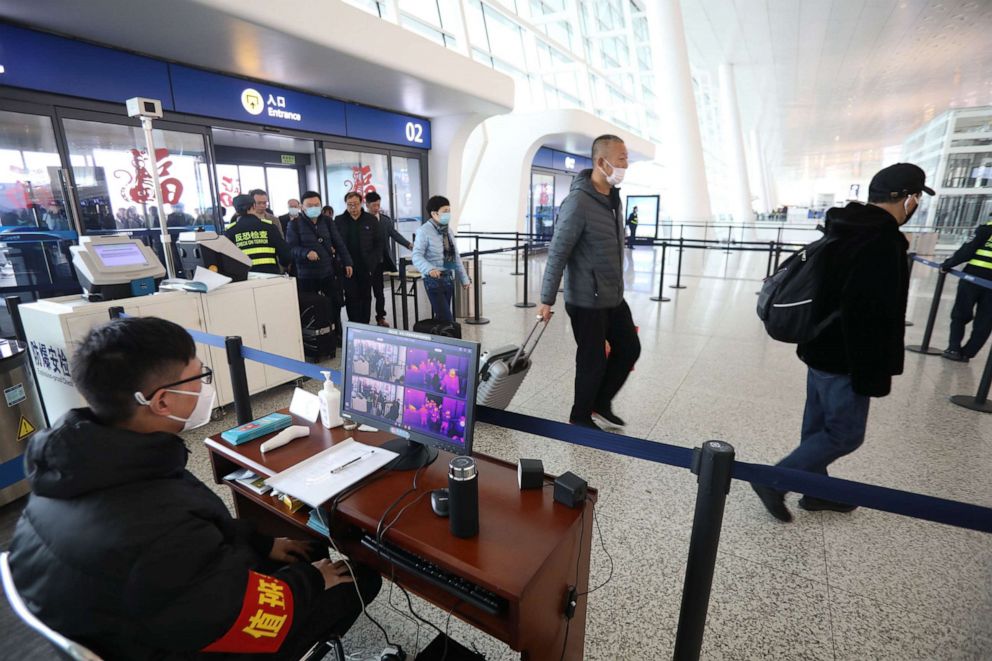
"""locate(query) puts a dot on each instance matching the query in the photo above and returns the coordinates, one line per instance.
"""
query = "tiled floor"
(865, 585)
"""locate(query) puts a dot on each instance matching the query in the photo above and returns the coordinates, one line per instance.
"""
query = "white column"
(734, 140)
(758, 168)
(683, 147)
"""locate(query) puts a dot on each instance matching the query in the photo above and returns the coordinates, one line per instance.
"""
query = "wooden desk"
(528, 551)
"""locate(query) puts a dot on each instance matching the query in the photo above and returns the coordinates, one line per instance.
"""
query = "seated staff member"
(436, 256)
(124, 550)
(257, 237)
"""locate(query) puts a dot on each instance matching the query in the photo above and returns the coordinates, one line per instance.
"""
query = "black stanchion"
(924, 347)
(778, 256)
(980, 402)
(712, 465)
(115, 311)
(516, 254)
(404, 304)
(239, 379)
(661, 278)
(13, 304)
(912, 261)
(771, 253)
(475, 319)
(526, 303)
(678, 273)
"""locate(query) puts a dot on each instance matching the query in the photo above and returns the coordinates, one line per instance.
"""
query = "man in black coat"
(856, 356)
(123, 550)
(364, 241)
(390, 237)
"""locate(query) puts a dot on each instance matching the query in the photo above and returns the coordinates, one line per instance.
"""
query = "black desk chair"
(73, 651)
(66, 648)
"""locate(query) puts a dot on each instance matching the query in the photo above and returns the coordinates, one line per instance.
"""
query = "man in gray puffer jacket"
(588, 247)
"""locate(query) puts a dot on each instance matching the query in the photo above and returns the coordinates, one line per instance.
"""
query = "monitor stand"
(413, 455)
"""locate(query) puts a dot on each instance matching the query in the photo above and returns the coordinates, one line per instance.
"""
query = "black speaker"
(530, 474)
(570, 489)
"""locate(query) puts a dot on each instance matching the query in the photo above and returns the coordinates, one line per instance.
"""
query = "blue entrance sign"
(44, 62)
(383, 126)
(215, 95)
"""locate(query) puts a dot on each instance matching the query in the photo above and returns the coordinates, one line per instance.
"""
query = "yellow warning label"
(24, 429)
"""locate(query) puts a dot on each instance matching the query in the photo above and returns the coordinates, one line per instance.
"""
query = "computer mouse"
(439, 502)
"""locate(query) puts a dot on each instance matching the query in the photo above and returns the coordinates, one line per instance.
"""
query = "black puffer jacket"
(122, 549)
(868, 281)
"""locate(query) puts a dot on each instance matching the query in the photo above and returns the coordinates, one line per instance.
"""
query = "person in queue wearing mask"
(588, 248)
(292, 213)
(122, 549)
(436, 256)
(320, 254)
(361, 234)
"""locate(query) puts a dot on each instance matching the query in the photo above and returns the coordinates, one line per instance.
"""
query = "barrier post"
(712, 465)
(980, 402)
(526, 303)
(660, 298)
(778, 255)
(678, 273)
(404, 304)
(239, 379)
(475, 319)
(13, 304)
(912, 261)
(730, 238)
(924, 347)
(516, 254)
(771, 252)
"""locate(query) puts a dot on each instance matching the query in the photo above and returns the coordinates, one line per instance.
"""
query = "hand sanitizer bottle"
(330, 403)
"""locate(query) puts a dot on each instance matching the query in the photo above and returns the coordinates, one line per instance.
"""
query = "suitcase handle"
(521, 351)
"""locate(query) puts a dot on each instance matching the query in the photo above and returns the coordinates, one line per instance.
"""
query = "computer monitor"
(419, 387)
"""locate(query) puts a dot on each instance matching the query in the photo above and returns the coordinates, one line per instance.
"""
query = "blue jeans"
(833, 423)
(440, 291)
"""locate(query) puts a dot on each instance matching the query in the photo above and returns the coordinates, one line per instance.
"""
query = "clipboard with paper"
(328, 473)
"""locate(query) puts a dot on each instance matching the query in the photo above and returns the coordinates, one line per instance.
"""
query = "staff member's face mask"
(200, 414)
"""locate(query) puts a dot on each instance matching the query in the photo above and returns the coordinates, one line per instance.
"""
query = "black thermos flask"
(463, 497)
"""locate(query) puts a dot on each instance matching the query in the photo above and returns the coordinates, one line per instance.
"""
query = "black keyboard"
(465, 590)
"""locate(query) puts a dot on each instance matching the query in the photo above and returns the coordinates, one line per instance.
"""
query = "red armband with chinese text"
(265, 619)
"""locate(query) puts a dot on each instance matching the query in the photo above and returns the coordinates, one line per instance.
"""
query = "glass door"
(542, 210)
(111, 170)
(359, 171)
(280, 183)
(35, 225)
(408, 200)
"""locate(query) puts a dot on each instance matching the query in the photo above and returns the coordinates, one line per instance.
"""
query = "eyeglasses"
(207, 377)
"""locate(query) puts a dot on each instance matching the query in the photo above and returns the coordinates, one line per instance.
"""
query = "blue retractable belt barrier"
(981, 282)
(906, 503)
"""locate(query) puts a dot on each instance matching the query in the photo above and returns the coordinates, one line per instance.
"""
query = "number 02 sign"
(414, 132)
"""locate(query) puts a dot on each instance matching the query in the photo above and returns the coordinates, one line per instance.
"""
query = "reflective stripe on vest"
(260, 261)
(264, 250)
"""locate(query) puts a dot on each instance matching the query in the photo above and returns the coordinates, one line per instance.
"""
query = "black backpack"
(790, 301)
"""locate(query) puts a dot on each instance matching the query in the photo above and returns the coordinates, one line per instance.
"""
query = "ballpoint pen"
(349, 463)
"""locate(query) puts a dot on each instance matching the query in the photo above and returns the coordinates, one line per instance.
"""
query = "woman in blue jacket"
(436, 256)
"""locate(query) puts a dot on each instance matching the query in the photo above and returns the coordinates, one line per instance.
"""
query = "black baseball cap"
(899, 180)
(243, 202)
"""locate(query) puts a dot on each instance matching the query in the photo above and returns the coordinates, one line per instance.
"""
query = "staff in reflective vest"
(973, 302)
(258, 238)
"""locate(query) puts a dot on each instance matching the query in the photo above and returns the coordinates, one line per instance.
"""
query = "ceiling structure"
(254, 38)
(829, 84)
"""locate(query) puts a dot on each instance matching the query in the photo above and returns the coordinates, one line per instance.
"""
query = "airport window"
(476, 22)
(371, 6)
(424, 10)
(363, 173)
(505, 38)
(414, 25)
(29, 192)
(112, 172)
(407, 190)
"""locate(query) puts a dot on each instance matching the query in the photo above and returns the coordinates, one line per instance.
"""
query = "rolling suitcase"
(319, 342)
(504, 369)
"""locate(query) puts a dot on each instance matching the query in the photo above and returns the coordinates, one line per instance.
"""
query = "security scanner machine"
(114, 267)
(214, 252)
